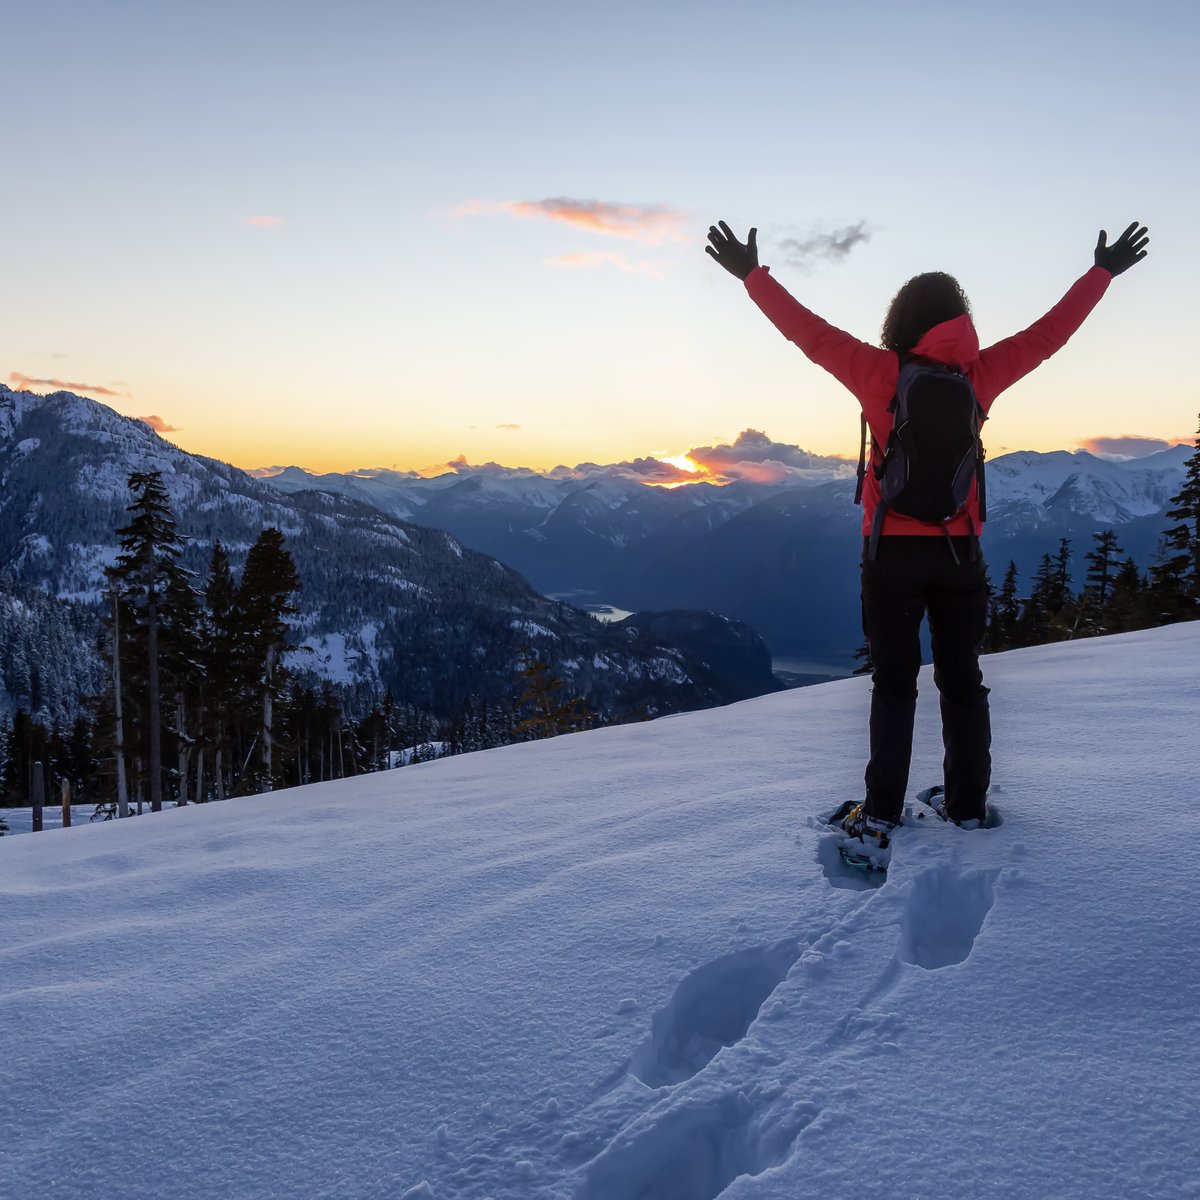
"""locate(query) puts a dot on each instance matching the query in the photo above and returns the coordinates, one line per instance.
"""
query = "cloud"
(1130, 445)
(593, 259)
(508, 426)
(833, 246)
(264, 222)
(159, 425)
(24, 382)
(653, 223)
(756, 458)
(654, 470)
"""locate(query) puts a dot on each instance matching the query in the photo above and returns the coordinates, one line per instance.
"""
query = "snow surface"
(627, 964)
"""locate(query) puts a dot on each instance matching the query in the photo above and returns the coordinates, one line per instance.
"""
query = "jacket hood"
(952, 342)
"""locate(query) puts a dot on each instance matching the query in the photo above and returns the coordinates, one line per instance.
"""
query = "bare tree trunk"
(37, 796)
(236, 781)
(267, 739)
(155, 730)
(200, 775)
(180, 716)
(220, 773)
(122, 783)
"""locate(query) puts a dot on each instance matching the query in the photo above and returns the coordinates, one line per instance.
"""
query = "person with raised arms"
(925, 392)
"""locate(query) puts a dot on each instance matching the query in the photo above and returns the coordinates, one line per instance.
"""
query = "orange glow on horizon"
(683, 462)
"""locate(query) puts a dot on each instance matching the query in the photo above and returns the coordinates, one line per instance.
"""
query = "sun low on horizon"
(394, 236)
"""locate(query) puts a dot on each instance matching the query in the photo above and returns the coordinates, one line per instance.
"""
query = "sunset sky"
(374, 234)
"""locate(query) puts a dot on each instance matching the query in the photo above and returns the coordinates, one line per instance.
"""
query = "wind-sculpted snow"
(615, 966)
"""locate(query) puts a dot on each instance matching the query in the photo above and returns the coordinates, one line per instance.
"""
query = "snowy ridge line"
(619, 965)
(429, 602)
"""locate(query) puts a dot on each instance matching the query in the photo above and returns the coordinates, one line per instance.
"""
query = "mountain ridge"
(781, 556)
(406, 600)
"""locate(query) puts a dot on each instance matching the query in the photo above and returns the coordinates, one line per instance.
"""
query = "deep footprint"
(945, 912)
(713, 1007)
(693, 1152)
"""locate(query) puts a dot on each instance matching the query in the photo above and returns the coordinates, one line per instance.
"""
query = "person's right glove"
(1128, 249)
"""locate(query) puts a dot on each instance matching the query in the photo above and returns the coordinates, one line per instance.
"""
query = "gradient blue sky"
(369, 322)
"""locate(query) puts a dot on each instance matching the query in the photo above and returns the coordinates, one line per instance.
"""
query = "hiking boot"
(874, 833)
(935, 798)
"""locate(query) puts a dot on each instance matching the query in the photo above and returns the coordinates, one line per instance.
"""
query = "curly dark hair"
(923, 302)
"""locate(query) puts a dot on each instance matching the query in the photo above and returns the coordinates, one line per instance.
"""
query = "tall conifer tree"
(269, 582)
(1102, 567)
(145, 573)
(1182, 540)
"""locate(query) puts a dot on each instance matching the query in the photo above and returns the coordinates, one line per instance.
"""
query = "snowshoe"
(866, 841)
(934, 798)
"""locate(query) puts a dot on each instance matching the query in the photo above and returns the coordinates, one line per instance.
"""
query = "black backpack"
(933, 451)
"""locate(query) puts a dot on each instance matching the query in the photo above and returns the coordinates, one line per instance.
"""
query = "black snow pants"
(909, 577)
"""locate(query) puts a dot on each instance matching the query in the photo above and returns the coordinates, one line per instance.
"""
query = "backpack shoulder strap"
(981, 478)
(862, 445)
(862, 459)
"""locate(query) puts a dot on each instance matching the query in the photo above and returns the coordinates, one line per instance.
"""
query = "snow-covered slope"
(626, 964)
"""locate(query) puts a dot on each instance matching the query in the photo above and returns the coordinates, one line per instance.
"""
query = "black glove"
(737, 259)
(1129, 248)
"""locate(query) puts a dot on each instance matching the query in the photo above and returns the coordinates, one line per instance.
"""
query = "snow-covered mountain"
(780, 556)
(383, 602)
(576, 530)
(628, 965)
(1031, 490)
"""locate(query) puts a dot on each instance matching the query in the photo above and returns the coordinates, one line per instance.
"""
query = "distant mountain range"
(384, 602)
(780, 556)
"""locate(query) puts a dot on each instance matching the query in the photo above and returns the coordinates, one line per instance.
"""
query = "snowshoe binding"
(934, 798)
(866, 841)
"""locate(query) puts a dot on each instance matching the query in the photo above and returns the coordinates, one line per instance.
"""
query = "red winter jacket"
(870, 373)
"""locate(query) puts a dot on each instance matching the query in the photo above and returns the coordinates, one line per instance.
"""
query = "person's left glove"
(736, 258)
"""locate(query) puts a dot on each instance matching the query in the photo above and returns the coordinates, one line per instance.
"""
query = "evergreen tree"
(183, 671)
(1125, 599)
(5, 764)
(269, 582)
(1101, 570)
(1061, 577)
(1035, 625)
(222, 707)
(1182, 540)
(548, 714)
(863, 654)
(1047, 588)
(1167, 598)
(145, 574)
(1005, 612)
(1063, 606)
